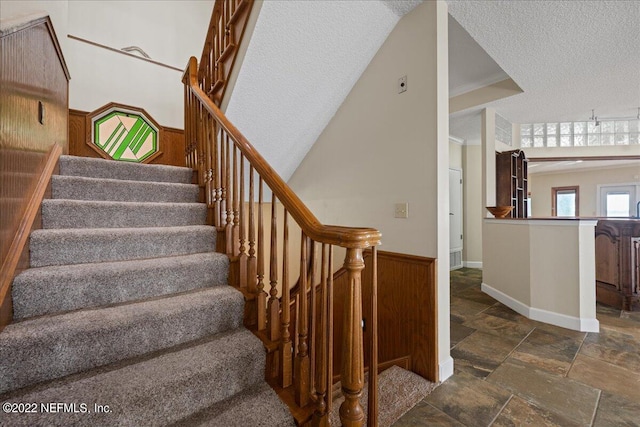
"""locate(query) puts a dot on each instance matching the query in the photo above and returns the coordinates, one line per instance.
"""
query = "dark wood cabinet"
(618, 263)
(511, 182)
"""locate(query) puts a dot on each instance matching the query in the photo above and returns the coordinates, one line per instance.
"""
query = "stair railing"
(226, 28)
(233, 176)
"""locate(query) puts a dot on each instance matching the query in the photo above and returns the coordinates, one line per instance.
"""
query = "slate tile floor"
(512, 371)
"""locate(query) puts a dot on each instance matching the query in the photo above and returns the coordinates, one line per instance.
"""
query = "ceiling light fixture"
(597, 119)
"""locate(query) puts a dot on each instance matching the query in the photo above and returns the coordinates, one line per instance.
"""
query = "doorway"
(618, 200)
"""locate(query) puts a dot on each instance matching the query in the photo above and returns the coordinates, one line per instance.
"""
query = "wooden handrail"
(346, 237)
(297, 328)
(20, 239)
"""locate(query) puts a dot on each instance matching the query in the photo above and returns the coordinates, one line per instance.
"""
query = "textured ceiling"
(401, 7)
(567, 56)
(305, 56)
(302, 61)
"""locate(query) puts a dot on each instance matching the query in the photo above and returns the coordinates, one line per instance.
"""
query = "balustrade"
(301, 348)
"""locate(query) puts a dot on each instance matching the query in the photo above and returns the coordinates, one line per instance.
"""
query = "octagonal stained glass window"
(125, 135)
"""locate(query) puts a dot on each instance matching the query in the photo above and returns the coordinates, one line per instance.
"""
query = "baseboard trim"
(472, 264)
(557, 319)
(445, 369)
(507, 300)
(564, 321)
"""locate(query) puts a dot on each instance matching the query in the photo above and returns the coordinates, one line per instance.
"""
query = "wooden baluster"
(352, 370)
(222, 186)
(227, 16)
(235, 232)
(320, 415)
(212, 159)
(252, 272)
(220, 29)
(313, 330)
(228, 193)
(198, 141)
(372, 408)
(330, 331)
(242, 257)
(301, 363)
(273, 309)
(262, 296)
(204, 150)
(186, 126)
(285, 372)
(211, 79)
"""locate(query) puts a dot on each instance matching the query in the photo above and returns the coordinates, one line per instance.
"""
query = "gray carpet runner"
(126, 306)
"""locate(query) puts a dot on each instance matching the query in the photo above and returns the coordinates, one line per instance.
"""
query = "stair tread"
(87, 188)
(157, 391)
(86, 245)
(48, 347)
(256, 406)
(47, 290)
(102, 168)
(63, 213)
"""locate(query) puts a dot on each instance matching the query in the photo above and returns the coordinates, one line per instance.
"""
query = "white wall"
(553, 283)
(56, 9)
(540, 185)
(383, 148)
(473, 207)
(455, 154)
(169, 31)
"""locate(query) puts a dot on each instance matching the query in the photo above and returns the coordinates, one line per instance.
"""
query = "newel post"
(352, 370)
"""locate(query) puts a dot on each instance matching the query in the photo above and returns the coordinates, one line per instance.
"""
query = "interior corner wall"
(473, 207)
(383, 147)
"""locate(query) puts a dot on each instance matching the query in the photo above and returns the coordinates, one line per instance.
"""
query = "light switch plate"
(402, 210)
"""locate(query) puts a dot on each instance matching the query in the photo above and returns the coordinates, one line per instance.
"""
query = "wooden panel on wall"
(33, 118)
(407, 312)
(171, 141)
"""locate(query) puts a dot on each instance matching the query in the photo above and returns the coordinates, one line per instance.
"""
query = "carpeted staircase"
(126, 305)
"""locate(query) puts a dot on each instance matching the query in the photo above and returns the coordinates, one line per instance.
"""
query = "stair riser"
(85, 340)
(52, 290)
(100, 168)
(80, 188)
(61, 247)
(88, 214)
(158, 392)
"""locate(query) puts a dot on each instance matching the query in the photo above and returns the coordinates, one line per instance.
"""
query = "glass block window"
(504, 131)
(580, 134)
(125, 135)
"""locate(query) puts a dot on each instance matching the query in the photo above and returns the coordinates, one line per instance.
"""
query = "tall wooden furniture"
(511, 182)
(618, 263)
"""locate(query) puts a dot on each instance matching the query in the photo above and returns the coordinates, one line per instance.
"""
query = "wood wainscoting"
(171, 141)
(34, 131)
(407, 313)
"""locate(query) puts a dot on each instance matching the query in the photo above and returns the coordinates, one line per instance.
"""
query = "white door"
(618, 200)
(455, 215)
